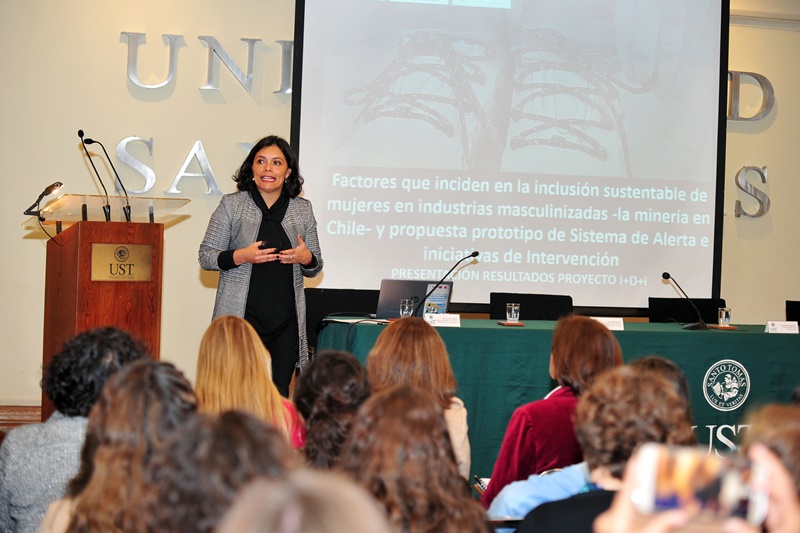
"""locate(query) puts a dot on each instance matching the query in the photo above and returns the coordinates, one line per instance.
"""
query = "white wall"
(63, 68)
(760, 255)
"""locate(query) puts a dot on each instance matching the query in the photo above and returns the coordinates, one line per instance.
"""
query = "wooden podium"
(102, 274)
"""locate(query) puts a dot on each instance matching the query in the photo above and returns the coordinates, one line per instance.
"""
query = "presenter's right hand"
(254, 254)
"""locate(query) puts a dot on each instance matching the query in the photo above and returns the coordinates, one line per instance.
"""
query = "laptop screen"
(394, 290)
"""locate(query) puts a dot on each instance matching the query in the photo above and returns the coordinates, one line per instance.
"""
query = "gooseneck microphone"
(107, 207)
(422, 302)
(34, 209)
(700, 324)
(127, 208)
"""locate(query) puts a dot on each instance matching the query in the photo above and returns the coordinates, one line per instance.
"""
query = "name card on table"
(443, 320)
(614, 323)
(775, 326)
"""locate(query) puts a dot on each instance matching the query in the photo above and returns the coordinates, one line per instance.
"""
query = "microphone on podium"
(107, 207)
(422, 302)
(700, 324)
(127, 209)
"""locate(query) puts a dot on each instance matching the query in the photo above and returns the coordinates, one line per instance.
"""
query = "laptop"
(394, 290)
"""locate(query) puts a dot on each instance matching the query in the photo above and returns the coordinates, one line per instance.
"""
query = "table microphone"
(127, 208)
(700, 324)
(107, 207)
(422, 302)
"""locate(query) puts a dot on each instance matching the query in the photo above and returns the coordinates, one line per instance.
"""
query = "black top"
(575, 514)
(270, 299)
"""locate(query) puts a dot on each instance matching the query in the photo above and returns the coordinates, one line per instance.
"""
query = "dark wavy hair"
(328, 394)
(140, 406)
(292, 186)
(625, 407)
(76, 375)
(399, 450)
(195, 476)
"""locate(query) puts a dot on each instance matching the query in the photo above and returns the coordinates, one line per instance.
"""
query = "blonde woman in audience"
(139, 407)
(234, 372)
(540, 435)
(194, 478)
(399, 450)
(411, 352)
(306, 502)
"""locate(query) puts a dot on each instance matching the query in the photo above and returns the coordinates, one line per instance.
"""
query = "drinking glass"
(512, 312)
(406, 307)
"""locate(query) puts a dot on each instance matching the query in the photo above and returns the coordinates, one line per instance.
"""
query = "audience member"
(520, 497)
(411, 352)
(400, 451)
(307, 502)
(777, 427)
(620, 410)
(234, 371)
(193, 479)
(783, 513)
(670, 370)
(137, 409)
(38, 460)
(540, 435)
(328, 393)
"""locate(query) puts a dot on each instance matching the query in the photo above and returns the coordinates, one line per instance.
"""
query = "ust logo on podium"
(121, 262)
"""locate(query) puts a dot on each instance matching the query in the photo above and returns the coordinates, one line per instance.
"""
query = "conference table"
(499, 368)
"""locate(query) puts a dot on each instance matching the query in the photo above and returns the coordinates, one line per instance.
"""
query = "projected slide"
(572, 143)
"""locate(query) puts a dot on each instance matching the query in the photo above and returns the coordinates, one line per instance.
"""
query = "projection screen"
(577, 145)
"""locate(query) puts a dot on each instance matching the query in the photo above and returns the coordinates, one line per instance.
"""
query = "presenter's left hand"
(300, 255)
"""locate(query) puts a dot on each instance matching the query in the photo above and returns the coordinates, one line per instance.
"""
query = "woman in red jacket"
(540, 435)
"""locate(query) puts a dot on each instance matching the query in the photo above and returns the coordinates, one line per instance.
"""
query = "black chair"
(680, 310)
(792, 311)
(322, 302)
(531, 306)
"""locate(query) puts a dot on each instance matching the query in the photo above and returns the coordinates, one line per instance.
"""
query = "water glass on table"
(512, 312)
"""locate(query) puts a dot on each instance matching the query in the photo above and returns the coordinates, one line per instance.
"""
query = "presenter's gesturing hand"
(254, 254)
(299, 255)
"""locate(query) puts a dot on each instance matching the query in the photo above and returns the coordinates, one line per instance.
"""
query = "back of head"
(582, 348)
(205, 463)
(307, 502)
(625, 407)
(399, 449)
(671, 371)
(411, 352)
(76, 375)
(328, 394)
(234, 371)
(777, 427)
(140, 406)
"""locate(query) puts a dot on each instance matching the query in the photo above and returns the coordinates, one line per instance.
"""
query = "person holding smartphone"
(263, 239)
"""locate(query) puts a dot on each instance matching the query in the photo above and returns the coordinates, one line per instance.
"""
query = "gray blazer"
(234, 224)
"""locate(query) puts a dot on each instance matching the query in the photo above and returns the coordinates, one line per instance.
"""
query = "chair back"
(680, 310)
(792, 310)
(322, 302)
(531, 306)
